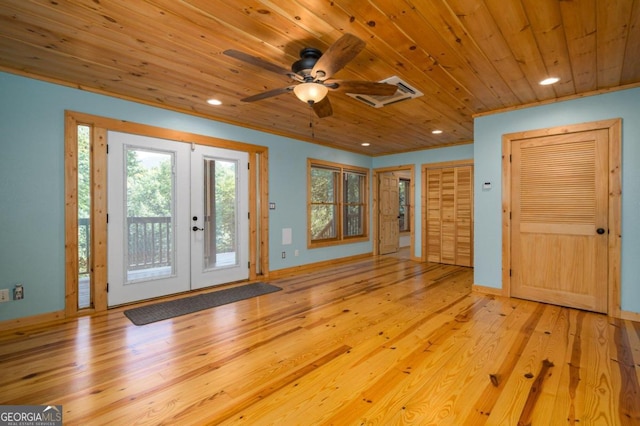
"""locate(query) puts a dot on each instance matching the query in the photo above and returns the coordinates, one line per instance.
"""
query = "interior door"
(389, 213)
(148, 256)
(559, 219)
(434, 215)
(178, 217)
(449, 215)
(220, 216)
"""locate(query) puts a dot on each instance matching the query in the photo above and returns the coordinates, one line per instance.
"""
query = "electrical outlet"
(284, 254)
(18, 292)
(4, 295)
(296, 253)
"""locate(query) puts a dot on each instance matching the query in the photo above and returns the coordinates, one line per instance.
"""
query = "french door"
(220, 216)
(178, 217)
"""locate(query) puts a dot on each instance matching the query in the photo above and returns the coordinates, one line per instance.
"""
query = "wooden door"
(433, 216)
(449, 215)
(389, 213)
(559, 223)
(463, 218)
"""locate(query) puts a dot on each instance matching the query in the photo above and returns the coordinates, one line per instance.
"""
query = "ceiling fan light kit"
(313, 71)
(310, 92)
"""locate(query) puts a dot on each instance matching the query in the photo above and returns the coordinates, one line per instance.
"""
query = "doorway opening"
(394, 208)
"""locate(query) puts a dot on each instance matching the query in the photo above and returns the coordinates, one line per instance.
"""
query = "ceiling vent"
(405, 92)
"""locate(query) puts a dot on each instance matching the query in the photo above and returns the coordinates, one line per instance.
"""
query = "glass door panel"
(220, 212)
(150, 221)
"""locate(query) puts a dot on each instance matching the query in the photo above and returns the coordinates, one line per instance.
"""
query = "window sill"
(329, 243)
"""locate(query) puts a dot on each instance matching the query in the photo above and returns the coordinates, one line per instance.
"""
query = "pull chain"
(313, 136)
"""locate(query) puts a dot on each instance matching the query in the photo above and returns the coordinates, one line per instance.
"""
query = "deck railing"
(353, 227)
(83, 246)
(150, 243)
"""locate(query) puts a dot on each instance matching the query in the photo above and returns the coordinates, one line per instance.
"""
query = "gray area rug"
(174, 308)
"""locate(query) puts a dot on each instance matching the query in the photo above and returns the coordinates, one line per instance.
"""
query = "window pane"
(84, 222)
(353, 211)
(354, 188)
(323, 185)
(404, 211)
(354, 220)
(323, 223)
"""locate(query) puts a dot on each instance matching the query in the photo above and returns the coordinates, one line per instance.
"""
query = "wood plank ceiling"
(466, 56)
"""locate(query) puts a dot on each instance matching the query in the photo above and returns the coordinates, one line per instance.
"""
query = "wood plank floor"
(380, 341)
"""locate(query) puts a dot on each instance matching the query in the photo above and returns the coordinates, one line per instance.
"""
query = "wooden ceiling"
(466, 56)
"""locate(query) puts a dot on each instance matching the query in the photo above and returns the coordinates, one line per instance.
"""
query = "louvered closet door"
(434, 220)
(464, 216)
(559, 220)
(450, 215)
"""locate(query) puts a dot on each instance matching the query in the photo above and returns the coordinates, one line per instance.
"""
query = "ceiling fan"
(313, 72)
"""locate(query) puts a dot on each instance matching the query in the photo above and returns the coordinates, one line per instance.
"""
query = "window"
(338, 207)
(84, 215)
(405, 206)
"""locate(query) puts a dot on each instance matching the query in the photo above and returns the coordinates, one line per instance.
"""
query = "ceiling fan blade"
(254, 60)
(268, 94)
(337, 56)
(323, 108)
(362, 87)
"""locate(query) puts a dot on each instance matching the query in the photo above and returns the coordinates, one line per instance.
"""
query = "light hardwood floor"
(384, 341)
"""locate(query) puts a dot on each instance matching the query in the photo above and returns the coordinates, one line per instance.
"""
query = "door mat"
(175, 308)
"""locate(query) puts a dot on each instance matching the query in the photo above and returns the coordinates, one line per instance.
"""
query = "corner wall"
(418, 159)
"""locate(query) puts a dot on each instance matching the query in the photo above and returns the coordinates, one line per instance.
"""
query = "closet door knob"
(600, 231)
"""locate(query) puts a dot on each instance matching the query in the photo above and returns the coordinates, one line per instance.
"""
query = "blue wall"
(32, 182)
(488, 133)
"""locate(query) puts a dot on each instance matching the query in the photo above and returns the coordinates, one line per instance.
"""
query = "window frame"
(339, 203)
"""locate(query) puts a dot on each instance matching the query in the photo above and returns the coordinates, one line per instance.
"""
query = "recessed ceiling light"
(548, 81)
(436, 132)
(214, 102)
(365, 144)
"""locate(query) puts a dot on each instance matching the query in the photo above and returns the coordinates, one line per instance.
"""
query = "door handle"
(600, 231)
(195, 228)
